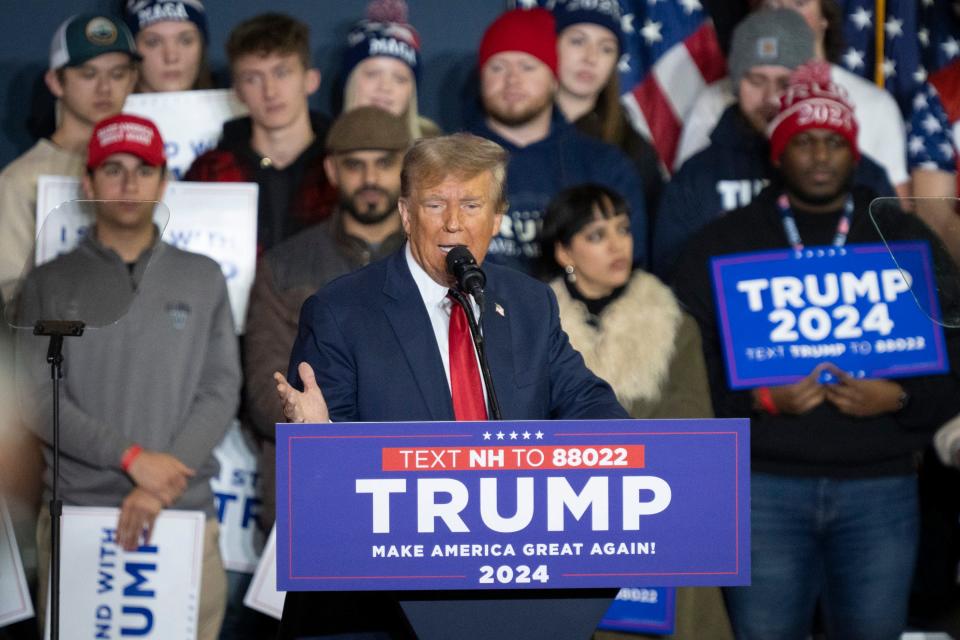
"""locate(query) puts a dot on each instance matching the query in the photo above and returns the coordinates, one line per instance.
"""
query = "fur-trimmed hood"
(636, 340)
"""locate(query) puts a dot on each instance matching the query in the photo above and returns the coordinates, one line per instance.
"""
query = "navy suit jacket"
(369, 340)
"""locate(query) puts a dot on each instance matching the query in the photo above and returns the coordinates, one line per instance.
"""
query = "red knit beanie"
(812, 101)
(530, 31)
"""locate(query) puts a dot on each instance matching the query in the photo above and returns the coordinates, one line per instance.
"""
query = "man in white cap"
(92, 71)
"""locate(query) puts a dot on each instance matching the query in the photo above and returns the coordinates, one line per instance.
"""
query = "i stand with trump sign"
(781, 313)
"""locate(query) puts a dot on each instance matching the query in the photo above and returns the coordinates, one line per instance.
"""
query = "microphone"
(468, 274)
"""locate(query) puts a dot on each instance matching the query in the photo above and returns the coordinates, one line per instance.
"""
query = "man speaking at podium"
(385, 343)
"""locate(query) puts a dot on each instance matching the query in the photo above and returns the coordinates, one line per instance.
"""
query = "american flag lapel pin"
(499, 310)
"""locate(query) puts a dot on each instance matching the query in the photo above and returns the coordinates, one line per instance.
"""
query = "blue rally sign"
(782, 314)
(512, 505)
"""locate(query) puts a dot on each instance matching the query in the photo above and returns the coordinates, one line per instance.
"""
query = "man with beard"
(518, 84)
(365, 150)
(833, 484)
(728, 174)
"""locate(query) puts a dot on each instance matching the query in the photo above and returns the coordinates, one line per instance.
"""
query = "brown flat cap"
(367, 128)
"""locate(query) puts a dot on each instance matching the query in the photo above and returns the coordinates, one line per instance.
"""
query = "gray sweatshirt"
(165, 375)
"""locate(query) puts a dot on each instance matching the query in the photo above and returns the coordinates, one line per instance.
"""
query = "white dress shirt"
(438, 307)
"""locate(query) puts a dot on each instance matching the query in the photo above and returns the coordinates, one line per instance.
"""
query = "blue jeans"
(851, 544)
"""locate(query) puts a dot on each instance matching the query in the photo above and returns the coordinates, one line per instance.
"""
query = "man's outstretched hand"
(302, 406)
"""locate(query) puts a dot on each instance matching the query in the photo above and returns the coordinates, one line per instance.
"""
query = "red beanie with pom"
(812, 101)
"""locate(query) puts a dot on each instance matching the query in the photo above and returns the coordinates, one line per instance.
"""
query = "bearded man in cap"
(149, 393)
(833, 485)
(365, 148)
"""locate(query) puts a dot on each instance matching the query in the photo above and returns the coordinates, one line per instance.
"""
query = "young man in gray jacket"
(145, 399)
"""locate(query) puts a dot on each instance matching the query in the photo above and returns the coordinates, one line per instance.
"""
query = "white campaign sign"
(15, 602)
(218, 220)
(237, 500)
(152, 592)
(189, 121)
(262, 594)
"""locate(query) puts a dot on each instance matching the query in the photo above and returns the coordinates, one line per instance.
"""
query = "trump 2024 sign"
(512, 505)
(780, 314)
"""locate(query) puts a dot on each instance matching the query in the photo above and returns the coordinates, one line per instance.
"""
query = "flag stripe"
(705, 50)
(657, 110)
(680, 78)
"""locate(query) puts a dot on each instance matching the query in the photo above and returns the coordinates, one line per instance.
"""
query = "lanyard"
(793, 234)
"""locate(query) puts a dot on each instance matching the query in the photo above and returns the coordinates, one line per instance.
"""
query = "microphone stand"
(57, 330)
(493, 405)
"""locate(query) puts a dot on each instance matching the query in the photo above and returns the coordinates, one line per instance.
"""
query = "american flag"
(919, 37)
(671, 53)
(929, 136)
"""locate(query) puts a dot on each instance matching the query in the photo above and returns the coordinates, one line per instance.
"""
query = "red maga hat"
(125, 133)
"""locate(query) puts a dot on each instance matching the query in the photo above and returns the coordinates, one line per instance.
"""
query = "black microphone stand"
(57, 330)
(493, 405)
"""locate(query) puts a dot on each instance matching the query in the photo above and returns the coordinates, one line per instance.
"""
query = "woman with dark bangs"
(631, 332)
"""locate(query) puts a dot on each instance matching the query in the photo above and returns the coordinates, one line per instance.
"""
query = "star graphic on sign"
(623, 66)
(889, 68)
(539, 434)
(923, 35)
(689, 6)
(853, 59)
(626, 23)
(499, 435)
(526, 435)
(930, 124)
(946, 149)
(915, 145)
(920, 75)
(651, 31)
(486, 435)
(951, 47)
(920, 101)
(862, 18)
(893, 27)
(513, 435)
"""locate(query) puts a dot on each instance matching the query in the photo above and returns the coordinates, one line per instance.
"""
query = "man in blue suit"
(377, 342)
(367, 336)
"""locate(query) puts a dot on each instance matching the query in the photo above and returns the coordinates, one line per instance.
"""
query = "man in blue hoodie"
(518, 82)
(727, 175)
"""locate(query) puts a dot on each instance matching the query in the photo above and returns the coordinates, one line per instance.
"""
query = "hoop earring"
(571, 275)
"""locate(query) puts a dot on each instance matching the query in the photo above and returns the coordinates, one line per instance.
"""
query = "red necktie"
(468, 402)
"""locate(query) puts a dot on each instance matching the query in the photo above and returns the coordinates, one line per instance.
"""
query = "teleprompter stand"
(57, 330)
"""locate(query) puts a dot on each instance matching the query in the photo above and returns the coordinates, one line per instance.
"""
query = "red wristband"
(765, 398)
(129, 456)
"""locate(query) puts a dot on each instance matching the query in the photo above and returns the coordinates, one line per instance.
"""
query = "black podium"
(548, 615)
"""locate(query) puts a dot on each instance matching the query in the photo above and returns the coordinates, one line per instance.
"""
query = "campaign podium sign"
(781, 313)
(512, 505)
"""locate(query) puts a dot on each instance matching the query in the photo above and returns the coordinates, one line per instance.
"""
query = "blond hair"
(461, 155)
(411, 115)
